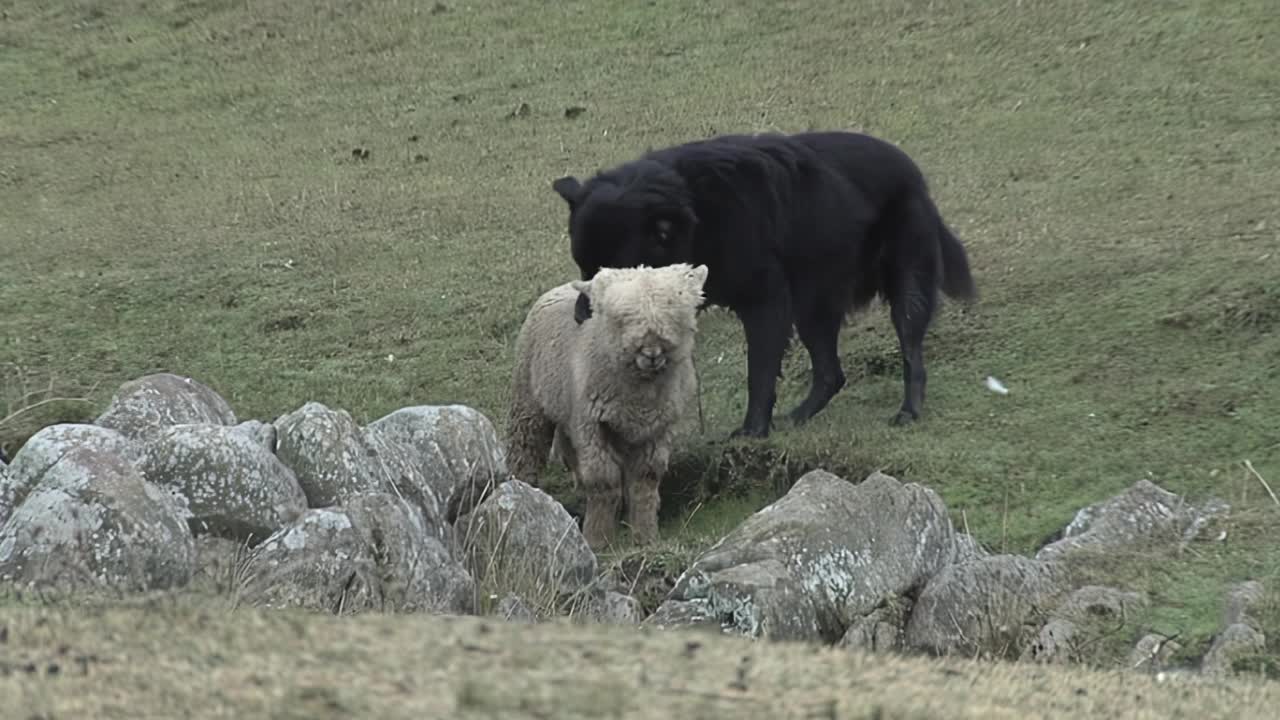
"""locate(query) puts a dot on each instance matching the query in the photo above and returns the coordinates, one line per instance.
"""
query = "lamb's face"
(650, 313)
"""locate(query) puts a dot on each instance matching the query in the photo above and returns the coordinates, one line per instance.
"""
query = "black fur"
(797, 230)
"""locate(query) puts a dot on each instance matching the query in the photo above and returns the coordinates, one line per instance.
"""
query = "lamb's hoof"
(903, 418)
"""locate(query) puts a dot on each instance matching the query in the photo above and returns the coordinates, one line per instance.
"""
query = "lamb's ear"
(568, 188)
(582, 308)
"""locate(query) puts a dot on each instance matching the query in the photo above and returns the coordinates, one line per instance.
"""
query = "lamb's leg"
(601, 476)
(643, 499)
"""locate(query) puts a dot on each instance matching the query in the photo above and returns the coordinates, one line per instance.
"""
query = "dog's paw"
(903, 418)
(750, 432)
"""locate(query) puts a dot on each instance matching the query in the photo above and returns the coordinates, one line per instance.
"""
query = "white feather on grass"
(996, 386)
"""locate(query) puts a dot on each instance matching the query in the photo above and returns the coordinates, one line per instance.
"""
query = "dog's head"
(639, 214)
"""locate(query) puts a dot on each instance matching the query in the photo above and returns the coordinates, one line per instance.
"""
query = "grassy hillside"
(350, 202)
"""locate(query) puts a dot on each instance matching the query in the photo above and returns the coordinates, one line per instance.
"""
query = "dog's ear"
(582, 308)
(689, 216)
(568, 188)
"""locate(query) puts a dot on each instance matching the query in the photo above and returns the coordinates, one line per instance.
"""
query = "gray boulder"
(1086, 615)
(373, 552)
(333, 458)
(47, 447)
(1153, 652)
(989, 606)
(1144, 513)
(1234, 642)
(453, 444)
(968, 549)
(513, 608)
(234, 487)
(521, 540)
(219, 564)
(615, 608)
(1242, 603)
(92, 521)
(141, 407)
(328, 455)
(1242, 633)
(881, 630)
(817, 560)
(264, 434)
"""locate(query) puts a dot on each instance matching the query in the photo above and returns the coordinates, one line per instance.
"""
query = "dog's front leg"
(767, 324)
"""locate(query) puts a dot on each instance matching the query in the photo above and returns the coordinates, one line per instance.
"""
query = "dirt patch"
(739, 469)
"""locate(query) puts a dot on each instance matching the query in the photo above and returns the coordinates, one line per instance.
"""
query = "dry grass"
(179, 657)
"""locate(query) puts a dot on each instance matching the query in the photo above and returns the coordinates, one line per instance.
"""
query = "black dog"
(796, 229)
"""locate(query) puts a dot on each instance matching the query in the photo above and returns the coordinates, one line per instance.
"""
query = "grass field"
(350, 202)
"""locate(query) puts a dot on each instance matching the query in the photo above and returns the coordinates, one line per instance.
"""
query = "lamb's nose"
(654, 357)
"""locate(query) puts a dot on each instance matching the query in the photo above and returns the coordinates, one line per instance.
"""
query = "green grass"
(178, 192)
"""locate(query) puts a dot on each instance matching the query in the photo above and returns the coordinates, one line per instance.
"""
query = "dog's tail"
(957, 281)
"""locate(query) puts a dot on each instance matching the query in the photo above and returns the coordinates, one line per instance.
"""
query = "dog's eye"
(662, 231)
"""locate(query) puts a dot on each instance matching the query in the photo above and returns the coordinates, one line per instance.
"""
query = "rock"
(319, 562)
(333, 458)
(1058, 641)
(47, 447)
(1242, 604)
(92, 521)
(1241, 635)
(1152, 652)
(420, 571)
(968, 549)
(1144, 513)
(881, 630)
(826, 554)
(327, 453)
(1079, 621)
(615, 608)
(522, 540)
(682, 613)
(219, 563)
(513, 608)
(374, 552)
(408, 480)
(453, 444)
(263, 434)
(985, 606)
(234, 487)
(1234, 642)
(141, 407)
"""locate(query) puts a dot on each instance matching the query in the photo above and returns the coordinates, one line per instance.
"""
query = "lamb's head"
(650, 315)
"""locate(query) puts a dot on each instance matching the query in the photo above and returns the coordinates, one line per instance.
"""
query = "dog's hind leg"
(913, 296)
(818, 324)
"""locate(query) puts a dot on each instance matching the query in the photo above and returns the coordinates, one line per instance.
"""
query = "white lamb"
(608, 392)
